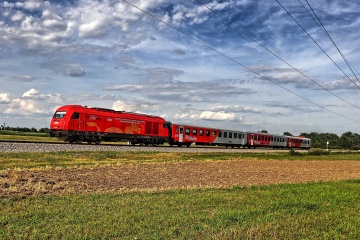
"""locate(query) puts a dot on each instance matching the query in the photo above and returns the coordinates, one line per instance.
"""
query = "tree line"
(347, 140)
(25, 129)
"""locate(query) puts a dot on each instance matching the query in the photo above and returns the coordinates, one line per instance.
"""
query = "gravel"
(46, 147)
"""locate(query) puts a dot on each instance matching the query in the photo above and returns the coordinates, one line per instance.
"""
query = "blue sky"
(110, 54)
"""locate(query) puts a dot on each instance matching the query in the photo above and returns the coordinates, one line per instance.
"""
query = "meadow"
(312, 210)
(288, 211)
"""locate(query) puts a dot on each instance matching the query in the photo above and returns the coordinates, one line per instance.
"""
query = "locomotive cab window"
(59, 114)
(214, 133)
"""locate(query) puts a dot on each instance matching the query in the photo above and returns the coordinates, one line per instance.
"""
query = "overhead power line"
(233, 60)
(274, 54)
(316, 43)
(322, 27)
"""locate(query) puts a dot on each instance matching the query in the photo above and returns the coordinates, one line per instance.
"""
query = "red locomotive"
(75, 123)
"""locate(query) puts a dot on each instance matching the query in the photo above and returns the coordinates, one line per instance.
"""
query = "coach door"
(181, 134)
(252, 140)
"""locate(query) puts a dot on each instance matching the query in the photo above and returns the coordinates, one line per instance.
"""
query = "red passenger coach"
(75, 123)
(181, 134)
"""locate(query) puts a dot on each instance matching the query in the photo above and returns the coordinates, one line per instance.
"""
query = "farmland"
(179, 195)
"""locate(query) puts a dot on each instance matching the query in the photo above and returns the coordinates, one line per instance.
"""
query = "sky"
(234, 64)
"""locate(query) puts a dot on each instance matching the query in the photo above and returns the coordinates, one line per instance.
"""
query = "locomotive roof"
(111, 110)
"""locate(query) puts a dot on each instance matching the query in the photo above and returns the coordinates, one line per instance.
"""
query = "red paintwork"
(106, 123)
(192, 134)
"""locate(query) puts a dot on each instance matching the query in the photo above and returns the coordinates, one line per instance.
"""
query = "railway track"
(43, 146)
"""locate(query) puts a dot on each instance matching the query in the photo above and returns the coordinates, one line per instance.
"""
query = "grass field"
(28, 160)
(300, 211)
(328, 210)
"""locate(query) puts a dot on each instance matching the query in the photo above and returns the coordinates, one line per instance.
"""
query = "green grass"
(28, 160)
(301, 211)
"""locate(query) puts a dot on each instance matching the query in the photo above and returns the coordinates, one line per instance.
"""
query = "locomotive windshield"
(59, 114)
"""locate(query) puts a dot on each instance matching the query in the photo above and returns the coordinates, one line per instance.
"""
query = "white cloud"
(121, 106)
(17, 16)
(32, 92)
(4, 98)
(30, 4)
(219, 116)
(24, 107)
(8, 5)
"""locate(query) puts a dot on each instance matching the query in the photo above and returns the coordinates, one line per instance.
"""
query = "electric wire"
(316, 43)
(233, 60)
(322, 27)
(274, 54)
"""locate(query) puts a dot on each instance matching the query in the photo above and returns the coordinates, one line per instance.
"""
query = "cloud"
(23, 78)
(161, 84)
(237, 109)
(4, 98)
(219, 116)
(74, 70)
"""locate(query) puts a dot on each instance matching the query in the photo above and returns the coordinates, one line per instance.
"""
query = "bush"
(319, 152)
(292, 152)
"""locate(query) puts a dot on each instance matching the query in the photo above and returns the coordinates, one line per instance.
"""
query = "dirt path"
(139, 177)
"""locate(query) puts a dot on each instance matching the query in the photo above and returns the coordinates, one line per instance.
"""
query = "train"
(77, 124)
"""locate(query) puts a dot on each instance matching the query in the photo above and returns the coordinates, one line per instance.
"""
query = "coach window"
(75, 115)
(235, 135)
(194, 132)
(225, 134)
(220, 134)
(187, 131)
(230, 135)
(208, 133)
(201, 132)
